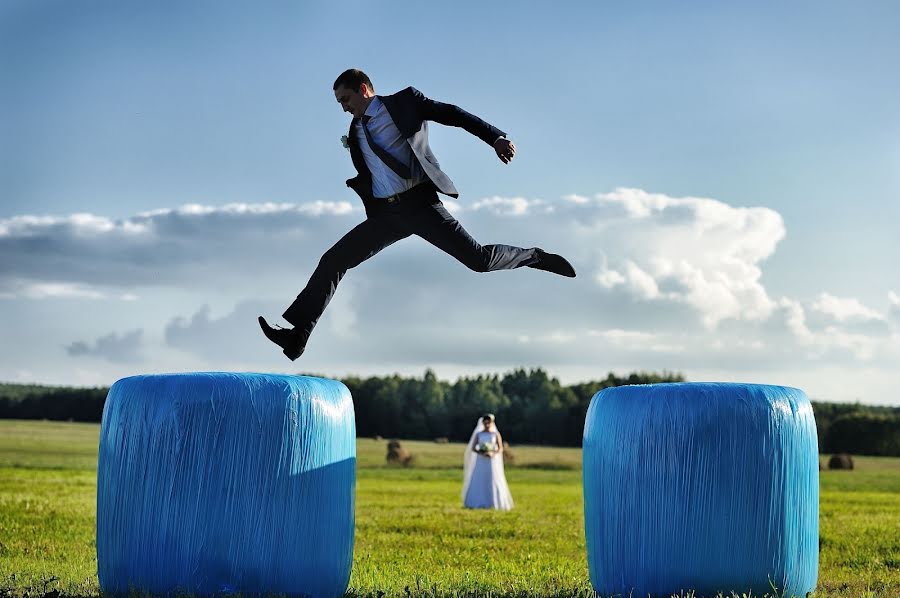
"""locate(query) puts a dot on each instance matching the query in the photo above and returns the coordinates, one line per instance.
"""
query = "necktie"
(393, 163)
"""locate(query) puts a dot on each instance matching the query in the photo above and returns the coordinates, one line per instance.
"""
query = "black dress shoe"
(551, 262)
(291, 340)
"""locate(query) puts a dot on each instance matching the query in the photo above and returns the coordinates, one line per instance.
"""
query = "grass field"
(412, 537)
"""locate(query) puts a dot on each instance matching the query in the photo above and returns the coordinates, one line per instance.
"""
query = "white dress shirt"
(386, 182)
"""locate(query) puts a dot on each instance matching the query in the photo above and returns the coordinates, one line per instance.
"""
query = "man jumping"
(398, 181)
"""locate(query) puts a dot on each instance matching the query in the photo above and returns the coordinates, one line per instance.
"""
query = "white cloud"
(861, 346)
(894, 305)
(795, 318)
(640, 282)
(511, 206)
(609, 278)
(576, 199)
(560, 337)
(832, 339)
(316, 208)
(664, 283)
(636, 340)
(696, 251)
(89, 256)
(845, 309)
(638, 204)
(11, 289)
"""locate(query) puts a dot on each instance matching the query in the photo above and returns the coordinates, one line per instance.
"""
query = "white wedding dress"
(484, 481)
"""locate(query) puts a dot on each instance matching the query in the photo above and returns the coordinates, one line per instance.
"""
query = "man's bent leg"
(437, 226)
(358, 245)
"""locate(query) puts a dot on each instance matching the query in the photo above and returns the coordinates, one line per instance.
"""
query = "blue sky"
(783, 119)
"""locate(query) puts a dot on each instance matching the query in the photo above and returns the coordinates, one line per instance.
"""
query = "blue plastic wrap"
(707, 487)
(222, 482)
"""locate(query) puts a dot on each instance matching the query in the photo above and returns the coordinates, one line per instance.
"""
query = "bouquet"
(485, 447)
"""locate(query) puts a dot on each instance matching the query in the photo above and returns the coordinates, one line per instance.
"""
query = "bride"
(484, 483)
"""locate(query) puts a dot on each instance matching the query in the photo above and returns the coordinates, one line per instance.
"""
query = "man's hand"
(505, 149)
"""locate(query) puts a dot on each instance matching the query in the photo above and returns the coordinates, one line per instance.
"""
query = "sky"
(725, 179)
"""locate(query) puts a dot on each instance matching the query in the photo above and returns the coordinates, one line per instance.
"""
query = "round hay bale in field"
(378, 438)
(212, 482)
(675, 472)
(397, 454)
(442, 440)
(840, 461)
(509, 458)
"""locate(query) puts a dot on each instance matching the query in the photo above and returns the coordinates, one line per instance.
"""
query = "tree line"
(531, 408)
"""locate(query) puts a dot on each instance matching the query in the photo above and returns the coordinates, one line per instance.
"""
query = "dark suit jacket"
(411, 111)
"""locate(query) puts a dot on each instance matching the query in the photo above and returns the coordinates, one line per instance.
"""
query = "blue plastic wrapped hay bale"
(221, 482)
(707, 487)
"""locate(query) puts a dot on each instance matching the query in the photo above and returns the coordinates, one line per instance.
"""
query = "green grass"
(411, 531)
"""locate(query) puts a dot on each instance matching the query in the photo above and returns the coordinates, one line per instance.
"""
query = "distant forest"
(531, 408)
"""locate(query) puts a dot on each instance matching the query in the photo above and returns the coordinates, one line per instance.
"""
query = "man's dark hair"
(352, 79)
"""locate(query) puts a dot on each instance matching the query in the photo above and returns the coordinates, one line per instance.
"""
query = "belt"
(396, 197)
(418, 194)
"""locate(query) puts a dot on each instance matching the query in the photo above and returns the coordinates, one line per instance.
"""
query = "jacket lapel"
(362, 182)
(355, 153)
(391, 105)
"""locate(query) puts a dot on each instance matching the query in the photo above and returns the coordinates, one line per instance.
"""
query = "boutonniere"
(345, 141)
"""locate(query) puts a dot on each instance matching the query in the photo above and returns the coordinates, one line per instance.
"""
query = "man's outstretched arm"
(454, 116)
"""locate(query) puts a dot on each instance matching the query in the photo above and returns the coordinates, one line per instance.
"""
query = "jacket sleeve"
(454, 116)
